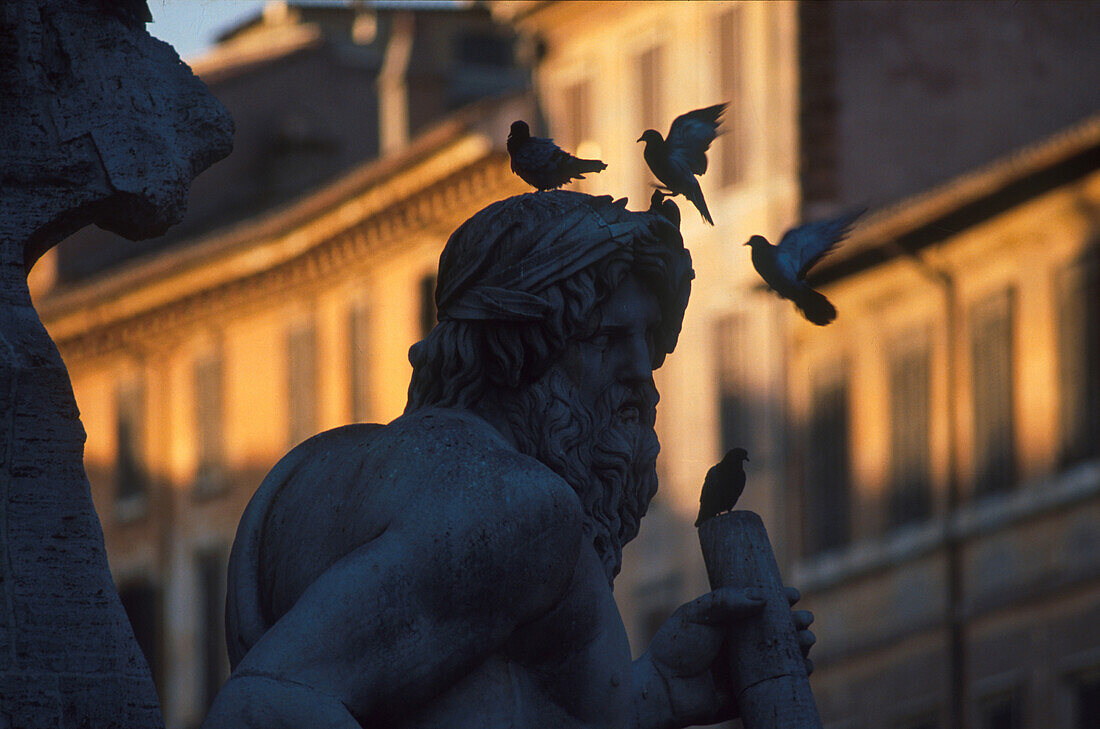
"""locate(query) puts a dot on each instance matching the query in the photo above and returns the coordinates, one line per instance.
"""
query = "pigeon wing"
(802, 247)
(690, 136)
(543, 154)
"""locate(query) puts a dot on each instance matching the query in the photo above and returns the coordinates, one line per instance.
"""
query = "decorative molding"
(347, 245)
(1028, 501)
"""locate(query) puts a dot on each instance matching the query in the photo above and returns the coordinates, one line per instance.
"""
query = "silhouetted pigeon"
(666, 208)
(784, 267)
(723, 485)
(541, 163)
(677, 160)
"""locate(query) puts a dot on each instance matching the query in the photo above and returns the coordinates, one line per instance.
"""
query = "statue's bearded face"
(590, 418)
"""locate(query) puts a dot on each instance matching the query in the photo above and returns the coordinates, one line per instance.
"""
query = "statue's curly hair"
(468, 357)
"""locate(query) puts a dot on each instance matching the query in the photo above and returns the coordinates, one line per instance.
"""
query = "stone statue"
(100, 123)
(454, 567)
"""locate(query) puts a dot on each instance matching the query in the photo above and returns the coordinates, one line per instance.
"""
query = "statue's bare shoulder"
(434, 472)
(447, 475)
(452, 457)
(432, 520)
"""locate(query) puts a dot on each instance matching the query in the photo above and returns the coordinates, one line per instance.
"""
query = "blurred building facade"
(943, 432)
(944, 447)
(927, 466)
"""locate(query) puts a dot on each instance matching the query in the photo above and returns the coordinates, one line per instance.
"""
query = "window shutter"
(827, 512)
(991, 360)
(302, 382)
(910, 394)
(131, 472)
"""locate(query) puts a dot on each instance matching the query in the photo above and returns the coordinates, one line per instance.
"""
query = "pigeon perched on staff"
(541, 163)
(784, 267)
(723, 485)
(676, 161)
(660, 203)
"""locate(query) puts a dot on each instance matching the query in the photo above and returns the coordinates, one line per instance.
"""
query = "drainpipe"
(953, 543)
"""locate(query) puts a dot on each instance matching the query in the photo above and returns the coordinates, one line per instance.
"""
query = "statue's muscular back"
(426, 574)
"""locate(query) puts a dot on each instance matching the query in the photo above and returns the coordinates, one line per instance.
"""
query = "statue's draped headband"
(496, 264)
(508, 290)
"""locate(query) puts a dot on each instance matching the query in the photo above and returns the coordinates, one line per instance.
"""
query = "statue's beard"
(606, 451)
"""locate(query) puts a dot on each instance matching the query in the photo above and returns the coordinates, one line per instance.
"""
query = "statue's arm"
(402, 618)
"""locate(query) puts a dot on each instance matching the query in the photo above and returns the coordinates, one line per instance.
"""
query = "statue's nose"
(636, 359)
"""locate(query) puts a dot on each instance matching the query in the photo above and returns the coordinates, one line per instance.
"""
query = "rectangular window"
(731, 162)
(485, 49)
(427, 304)
(358, 339)
(910, 420)
(131, 471)
(650, 92)
(927, 721)
(1079, 358)
(302, 382)
(1085, 694)
(210, 568)
(649, 74)
(734, 412)
(141, 601)
(209, 418)
(819, 84)
(1002, 712)
(827, 518)
(991, 372)
(577, 116)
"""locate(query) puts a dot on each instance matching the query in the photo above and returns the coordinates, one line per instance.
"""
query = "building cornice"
(964, 201)
(139, 307)
(517, 11)
(237, 56)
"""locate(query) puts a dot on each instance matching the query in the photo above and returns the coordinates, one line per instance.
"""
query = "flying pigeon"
(723, 485)
(660, 204)
(784, 267)
(541, 163)
(677, 160)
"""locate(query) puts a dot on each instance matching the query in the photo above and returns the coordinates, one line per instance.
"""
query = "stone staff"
(766, 664)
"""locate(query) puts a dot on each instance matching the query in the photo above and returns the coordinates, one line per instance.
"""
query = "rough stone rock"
(99, 123)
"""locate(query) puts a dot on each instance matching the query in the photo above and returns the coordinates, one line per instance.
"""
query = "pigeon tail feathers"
(582, 166)
(815, 307)
(696, 197)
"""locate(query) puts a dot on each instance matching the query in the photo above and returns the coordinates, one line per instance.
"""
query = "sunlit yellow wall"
(1025, 249)
(252, 345)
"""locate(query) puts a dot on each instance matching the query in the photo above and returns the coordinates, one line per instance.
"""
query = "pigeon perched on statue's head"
(660, 203)
(676, 161)
(723, 485)
(541, 163)
(784, 267)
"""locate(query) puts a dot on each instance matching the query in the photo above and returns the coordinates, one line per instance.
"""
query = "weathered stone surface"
(99, 123)
(766, 663)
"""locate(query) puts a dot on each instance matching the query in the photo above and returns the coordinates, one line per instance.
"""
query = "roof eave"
(943, 212)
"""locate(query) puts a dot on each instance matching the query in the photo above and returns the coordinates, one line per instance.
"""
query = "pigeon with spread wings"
(784, 267)
(676, 161)
(541, 163)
